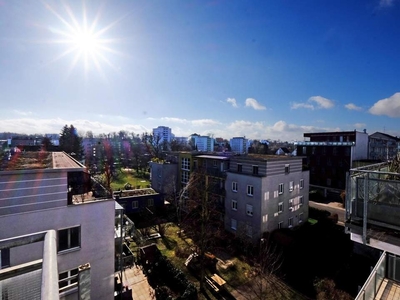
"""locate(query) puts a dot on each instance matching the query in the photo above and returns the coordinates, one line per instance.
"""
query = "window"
(215, 163)
(150, 202)
(249, 230)
(291, 186)
(185, 163)
(4, 258)
(249, 210)
(255, 170)
(280, 188)
(291, 204)
(250, 190)
(301, 200)
(234, 186)
(68, 279)
(290, 222)
(69, 238)
(280, 207)
(301, 218)
(239, 168)
(234, 204)
(233, 224)
(135, 204)
(304, 150)
(185, 177)
(301, 183)
(287, 168)
(280, 224)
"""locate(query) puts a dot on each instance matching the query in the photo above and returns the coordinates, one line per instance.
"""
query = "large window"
(233, 224)
(287, 168)
(185, 177)
(290, 222)
(68, 279)
(185, 163)
(249, 210)
(250, 190)
(69, 238)
(234, 186)
(301, 183)
(234, 204)
(280, 188)
(291, 186)
(290, 204)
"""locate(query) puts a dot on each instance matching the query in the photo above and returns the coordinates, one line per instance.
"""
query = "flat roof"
(31, 160)
(213, 157)
(264, 157)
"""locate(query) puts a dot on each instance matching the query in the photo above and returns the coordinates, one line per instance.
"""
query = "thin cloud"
(250, 102)
(22, 113)
(385, 3)
(232, 101)
(387, 107)
(360, 125)
(314, 102)
(352, 106)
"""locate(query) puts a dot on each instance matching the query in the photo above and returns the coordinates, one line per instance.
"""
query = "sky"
(260, 69)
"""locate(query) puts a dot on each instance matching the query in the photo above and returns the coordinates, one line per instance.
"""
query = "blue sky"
(260, 69)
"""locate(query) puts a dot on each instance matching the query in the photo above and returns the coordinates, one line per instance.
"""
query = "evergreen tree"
(71, 142)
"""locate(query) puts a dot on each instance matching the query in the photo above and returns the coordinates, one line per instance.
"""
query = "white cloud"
(385, 3)
(250, 102)
(352, 106)
(387, 107)
(232, 101)
(314, 102)
(22, 113)
(360, 125)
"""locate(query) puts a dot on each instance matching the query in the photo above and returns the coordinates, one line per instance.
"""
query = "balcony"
(373, 207)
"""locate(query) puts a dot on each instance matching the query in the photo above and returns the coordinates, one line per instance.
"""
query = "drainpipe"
(49, 289)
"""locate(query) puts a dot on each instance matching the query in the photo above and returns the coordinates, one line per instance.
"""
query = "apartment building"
(163, 133)
(383, 146)
(264, 193)
(202, 143)
(329, 155)
(57, 230)
(239, 145)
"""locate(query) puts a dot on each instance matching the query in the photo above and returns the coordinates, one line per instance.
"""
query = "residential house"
(139, 200)
(50, 210)
(383, 146)
(264, 193)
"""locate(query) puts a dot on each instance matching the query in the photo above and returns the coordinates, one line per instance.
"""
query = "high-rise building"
(163, 133)
(239, 145)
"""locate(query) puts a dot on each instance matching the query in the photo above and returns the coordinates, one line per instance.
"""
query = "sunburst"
(86, 42)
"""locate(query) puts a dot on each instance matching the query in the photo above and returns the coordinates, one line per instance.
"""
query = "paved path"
(333, 208)
(137, 282)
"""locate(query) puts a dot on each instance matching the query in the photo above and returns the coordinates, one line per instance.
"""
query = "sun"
(85, 41)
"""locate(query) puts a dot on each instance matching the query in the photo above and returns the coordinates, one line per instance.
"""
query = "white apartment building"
(164, 133)
(264, 193)
(49, 196)
(239, 145)
(202, 143)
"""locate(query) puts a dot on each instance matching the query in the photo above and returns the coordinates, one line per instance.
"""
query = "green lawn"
(130, 177)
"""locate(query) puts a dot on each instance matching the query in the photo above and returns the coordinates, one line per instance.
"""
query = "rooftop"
(265, 157)
(39, 160)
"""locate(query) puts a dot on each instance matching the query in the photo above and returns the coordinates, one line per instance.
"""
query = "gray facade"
(36, 200)
(264, 193)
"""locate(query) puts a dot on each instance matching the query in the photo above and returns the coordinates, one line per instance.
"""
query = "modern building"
(330, 155)
(164, 177)
(163, 133)
(139, 200)
(372, 219)
(383, 146)
(264, 193)
(52, 215)
(202, 143)
(239, 145)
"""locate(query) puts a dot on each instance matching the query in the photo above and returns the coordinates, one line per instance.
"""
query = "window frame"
(234, 186)
(135, 204)
(249, 230)
(70, 244)
(234, 205)
(280, 207)
(290, 222)
(71, 280)
(249, 210)
(250, 190)
(280, 225)
(301, 200)
(301, 218)
(291, 186)
(287, 168)
(233, 224)
(255, 169)
(239, 168)
(301, 184)
(150, 202)
(281, 189)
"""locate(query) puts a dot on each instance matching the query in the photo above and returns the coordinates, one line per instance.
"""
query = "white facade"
(164, 133)
(203, 143)
(36, 200)
(263, 195)
(239, 145)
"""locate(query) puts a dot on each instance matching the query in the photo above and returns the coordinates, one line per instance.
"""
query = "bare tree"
(153, 144)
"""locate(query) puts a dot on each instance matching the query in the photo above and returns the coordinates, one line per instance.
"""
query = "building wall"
(238, 145)
(266, 197)
(361, 148)
(164, 178)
